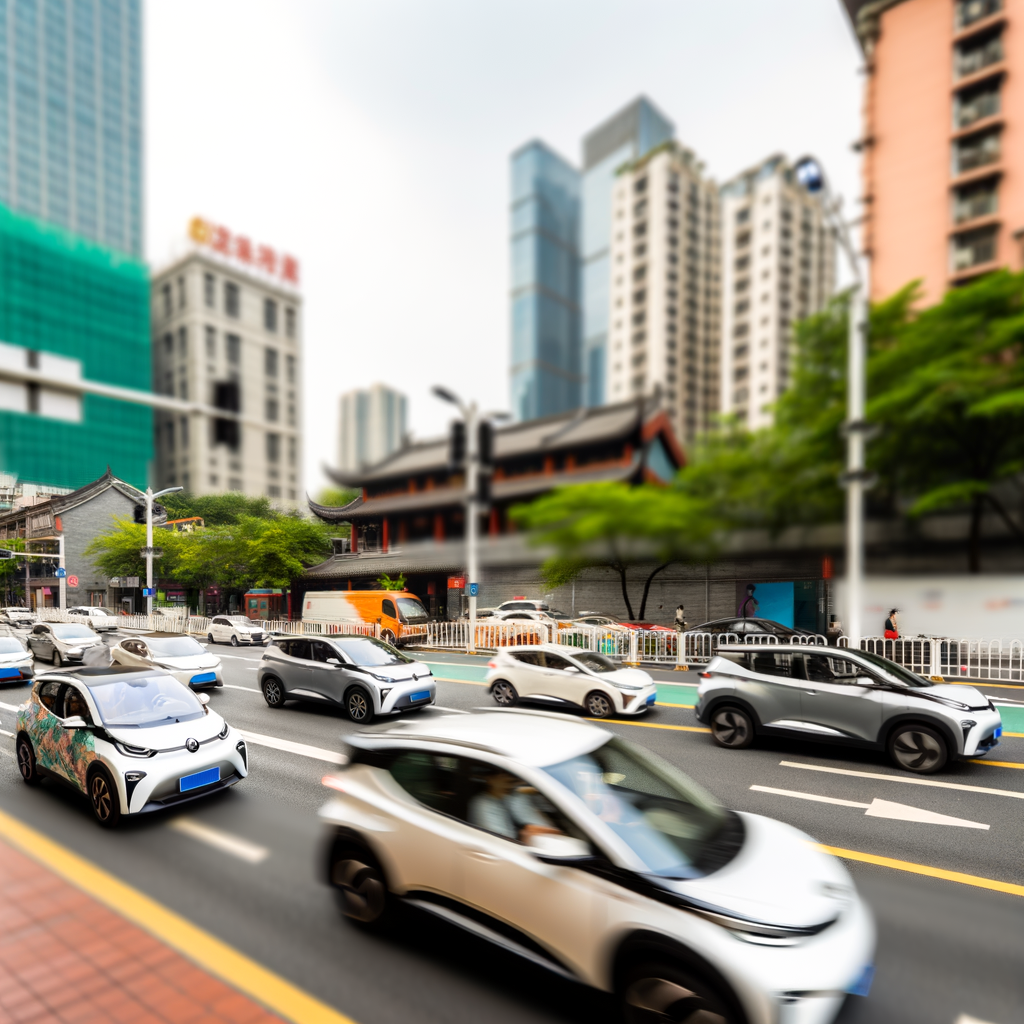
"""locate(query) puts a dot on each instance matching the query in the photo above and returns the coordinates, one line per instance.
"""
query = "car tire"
(273, 692)
(209, 638)
(664, 991)
(389, 637)
(732, 727)
(104, 798)
(234, 640)
(27, 761)
(918, 748)
(504, 694)
(598, 705)
(361, 888)
(57, 661)
(359, 706)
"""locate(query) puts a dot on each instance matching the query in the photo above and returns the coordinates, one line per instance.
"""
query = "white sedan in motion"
(181, 655)
(599, 860)
(555, 674)
(236, 630)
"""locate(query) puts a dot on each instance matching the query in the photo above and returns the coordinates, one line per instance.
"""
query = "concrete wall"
(81, 525)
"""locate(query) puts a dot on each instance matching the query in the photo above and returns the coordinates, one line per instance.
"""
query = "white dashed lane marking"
(224, 841)
(290, 747)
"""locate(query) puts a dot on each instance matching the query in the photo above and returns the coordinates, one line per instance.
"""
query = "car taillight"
(333, 782)
(492, 664)
(705, 675)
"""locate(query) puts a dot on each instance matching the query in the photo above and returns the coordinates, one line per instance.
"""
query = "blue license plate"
(10, 673)
(653, 697)
(420, 695)
(205, 677)
(998, 732)
(199, 779)
(862, 985)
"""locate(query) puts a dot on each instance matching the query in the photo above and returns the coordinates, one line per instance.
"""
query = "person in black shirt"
(892, 629)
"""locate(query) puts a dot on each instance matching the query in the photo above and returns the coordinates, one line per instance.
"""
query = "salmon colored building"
(943, 140)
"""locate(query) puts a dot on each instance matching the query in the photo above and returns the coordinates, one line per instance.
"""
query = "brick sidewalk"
(64, 957)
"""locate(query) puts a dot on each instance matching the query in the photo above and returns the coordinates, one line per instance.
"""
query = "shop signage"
(456, 582)
(242, 250)
(72, 581)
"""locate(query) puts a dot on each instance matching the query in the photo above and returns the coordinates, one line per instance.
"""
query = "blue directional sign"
(61, 573)
(473, 589)
(149, 591)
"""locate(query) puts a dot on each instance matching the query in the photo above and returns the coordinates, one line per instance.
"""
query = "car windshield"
(411, 610)
(99, 610)
(238, 620)
(595, 662)
(368, 652)
(141, 701)
(667, 820)
(70, 631)
(904, 675)
(174, 646)
(8, 645)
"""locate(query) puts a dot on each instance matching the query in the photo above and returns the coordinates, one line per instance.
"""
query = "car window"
(595, 662)
(175, 647)
(413, 611)
(387, 607)
(220, 622)
(432, 779)
(140, 700)
(528, 657)
(299, 649)
(368, 652)
(39, 630)
(772, 663)
(322, 651)
(818, 669)
(48, 694)
(8, 645)
(75, 704)
(556, 662)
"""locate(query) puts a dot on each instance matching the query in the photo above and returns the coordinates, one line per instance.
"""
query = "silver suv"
(848, 697)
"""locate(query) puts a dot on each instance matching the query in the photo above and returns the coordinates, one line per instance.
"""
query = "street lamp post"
(148, 550)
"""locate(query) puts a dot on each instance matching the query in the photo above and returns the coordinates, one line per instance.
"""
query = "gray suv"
(831, 695)
(364, 676)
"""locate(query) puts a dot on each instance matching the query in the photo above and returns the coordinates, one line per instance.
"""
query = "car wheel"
(234, 640)
(917, 748)
(27, 762)
(358, 705)
(388, 637)
(362, 890)
(672, 993)
(273, 692)
(56, 658)
(209, 638)
(504, 693)
(598, 705)
(731, 727)
(103, 796)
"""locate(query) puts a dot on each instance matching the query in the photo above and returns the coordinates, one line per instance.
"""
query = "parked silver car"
(848, 697)
(365, 676)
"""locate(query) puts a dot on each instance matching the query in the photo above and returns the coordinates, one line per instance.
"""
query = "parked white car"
(236, 630)
(597, 859)
(181, 655)
(63, 642)
(559, 675)
(15, 661)
(99, 618)
(19, 617)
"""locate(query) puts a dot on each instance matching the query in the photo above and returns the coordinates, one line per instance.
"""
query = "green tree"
(385, 582)
(12, 570)
(217, 509)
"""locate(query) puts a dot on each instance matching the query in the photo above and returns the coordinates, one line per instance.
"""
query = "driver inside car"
(505, 807)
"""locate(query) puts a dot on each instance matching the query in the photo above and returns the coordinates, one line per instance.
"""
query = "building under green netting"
(62, 294)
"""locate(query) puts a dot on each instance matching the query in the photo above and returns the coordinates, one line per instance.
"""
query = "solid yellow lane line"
(192, 942)
(1015, 735)
(655, 725)
(468, 682)
(665, 704)
(997, 764)
(926, 869)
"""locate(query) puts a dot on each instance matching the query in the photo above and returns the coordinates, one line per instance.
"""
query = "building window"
(270, 362)
(232, 302)
(976, 151)
(184, 431)
(975, 201)
(183, 341)
(291, 414)
(211, 342)
(970, 11)
(273, 447)
(168, 344)
(289, 366)
(234, 483)
(234, 348)
(289, 321)
(273, 491)
(181, 293)
(270, 314)
(170, 435)
(972, 105)
(293, 450)
(209, 290)
(974, 248)
(271, 409)
(977, 53)
(168, 307)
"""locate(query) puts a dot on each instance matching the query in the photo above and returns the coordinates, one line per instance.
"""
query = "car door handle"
(812, 693)
(482, 855)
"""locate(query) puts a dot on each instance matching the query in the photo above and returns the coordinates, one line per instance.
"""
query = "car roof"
(158, 633)
(533, 738)
(555, 648)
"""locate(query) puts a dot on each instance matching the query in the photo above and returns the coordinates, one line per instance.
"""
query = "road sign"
(61, 573)
(149, 591)
(72, 581)
(473, 589)
(124, 582)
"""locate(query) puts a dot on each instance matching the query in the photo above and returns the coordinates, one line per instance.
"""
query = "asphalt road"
(945, 949)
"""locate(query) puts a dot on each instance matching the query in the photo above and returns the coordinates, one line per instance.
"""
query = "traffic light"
(457, 445)
(140, 513)
(485, 442)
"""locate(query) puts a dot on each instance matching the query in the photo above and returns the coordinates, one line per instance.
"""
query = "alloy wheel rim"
(660, 1000)
(24, 761)
(357, 706)
(362, 889)
(101, 797)
(729, 728)
(503, 693)
(917, 750)
(598, 706)
(273, 693)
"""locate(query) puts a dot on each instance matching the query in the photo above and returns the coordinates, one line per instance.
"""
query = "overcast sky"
(371, 139)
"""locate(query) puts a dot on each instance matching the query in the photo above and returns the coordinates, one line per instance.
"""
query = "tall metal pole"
(62, 580)
(149, 550)
(855, 475)
(472, 523)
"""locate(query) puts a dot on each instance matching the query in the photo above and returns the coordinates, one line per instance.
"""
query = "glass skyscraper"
(71, 116)
(626, 136)
(545, 308)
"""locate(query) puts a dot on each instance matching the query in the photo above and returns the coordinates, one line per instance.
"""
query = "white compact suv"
(559, 675)
(96, 617)
(236, 630)
(597, 859)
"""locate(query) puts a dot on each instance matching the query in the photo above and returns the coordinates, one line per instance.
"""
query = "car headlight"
(381, 679)
(626, 686)
(132, 751)
(75, 650)
(385, 690)
(224, 731)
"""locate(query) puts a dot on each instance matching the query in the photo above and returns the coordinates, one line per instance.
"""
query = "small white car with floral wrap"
(132, 741)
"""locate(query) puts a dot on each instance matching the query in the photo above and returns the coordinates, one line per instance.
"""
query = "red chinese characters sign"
(242, 249)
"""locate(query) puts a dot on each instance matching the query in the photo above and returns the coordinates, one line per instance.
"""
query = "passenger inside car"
(506, 808)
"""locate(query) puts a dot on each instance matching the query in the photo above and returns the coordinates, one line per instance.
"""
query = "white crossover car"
(131, 741)
(181, 655)
(15, 661)
(22, 618)
(99, 618)
(599, 860)
(236, 630)
(64, 642)
(561, 675)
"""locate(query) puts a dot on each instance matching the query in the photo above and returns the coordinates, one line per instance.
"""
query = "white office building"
(371, 426)
(665, 287)
(778, 266)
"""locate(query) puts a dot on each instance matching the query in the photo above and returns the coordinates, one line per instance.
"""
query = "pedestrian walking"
(748, 609)
(892, 626)
(680, 619)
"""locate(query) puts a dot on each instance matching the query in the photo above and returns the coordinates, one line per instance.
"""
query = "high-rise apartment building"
(627, 135)
(778, 265)
(943, 161)
(545, 310)
(665, 287)
(228, 336)
(71, 122)
(371, 426)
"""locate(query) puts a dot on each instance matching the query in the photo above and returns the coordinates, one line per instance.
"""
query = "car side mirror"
(572, 668)
(204, 698)
(75, 722)
(559, 849)
(333, 661)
